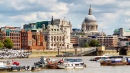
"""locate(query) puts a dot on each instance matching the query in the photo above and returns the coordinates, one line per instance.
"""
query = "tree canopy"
(86, 45)
(1, 45)
(8, 43)
(94, 43)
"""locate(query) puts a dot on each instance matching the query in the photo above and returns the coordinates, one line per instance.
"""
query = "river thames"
(92, 67)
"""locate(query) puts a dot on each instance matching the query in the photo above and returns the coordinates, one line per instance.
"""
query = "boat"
(71, 63)
(4, 65)
(114, 62)
(98, 58)
(45, 63)
(128, 60)
(51, 64)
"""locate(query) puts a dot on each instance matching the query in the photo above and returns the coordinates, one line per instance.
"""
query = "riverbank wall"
(50, 53)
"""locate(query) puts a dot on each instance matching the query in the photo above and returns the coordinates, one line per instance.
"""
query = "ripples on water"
(92, 67)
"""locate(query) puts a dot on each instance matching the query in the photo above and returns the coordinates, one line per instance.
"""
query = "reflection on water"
(92, 67)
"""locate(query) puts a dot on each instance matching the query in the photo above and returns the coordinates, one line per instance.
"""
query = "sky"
(110, 14)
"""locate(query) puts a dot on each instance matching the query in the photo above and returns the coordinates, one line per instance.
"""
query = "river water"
(92, 67)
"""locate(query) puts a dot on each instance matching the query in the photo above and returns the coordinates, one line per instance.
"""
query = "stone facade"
(57, 34)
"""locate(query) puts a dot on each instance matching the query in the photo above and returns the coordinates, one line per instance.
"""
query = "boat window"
(74, 60)
(76, 64)
(81, 63)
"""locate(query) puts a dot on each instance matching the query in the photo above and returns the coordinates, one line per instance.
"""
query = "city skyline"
(110, 14)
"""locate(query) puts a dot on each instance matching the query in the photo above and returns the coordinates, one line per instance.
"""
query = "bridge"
(87, 51)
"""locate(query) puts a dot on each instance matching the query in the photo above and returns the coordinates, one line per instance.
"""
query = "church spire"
(52, 22)
(90, 11)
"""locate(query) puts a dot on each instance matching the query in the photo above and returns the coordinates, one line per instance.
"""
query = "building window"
(51, 38)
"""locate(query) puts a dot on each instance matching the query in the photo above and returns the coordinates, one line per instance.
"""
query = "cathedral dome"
(90, 18)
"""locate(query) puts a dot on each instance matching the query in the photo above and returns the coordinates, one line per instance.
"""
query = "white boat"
(72, 63)
(4, 65)
(99, 58)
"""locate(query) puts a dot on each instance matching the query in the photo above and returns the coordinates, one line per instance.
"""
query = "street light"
(58, 47)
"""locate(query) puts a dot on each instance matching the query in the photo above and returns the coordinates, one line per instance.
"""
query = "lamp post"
(58, 48)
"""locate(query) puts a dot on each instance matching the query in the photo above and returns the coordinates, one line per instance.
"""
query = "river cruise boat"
(72, 63)
(114, 61)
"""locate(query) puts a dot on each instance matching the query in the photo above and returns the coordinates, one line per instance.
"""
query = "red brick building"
(13, 33)
(74, 40)
(32, 40)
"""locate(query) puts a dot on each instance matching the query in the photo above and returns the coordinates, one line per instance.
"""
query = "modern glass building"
(37, 25)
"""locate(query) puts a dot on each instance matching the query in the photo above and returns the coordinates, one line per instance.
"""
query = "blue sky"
(110, 14)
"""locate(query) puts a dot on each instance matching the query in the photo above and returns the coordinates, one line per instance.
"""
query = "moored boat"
(71, 63)
(99, 58)
(4, 65)
(114, 62)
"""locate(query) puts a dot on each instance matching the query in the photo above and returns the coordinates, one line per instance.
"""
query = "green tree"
(1, 45)
(94, 43)
(86, 45)
(8, 43)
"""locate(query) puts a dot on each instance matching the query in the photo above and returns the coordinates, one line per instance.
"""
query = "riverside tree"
(86, 45)
(8, 43)
(1, 45)
(94, 43)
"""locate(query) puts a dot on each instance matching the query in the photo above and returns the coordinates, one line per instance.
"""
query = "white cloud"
(127, 13)
(124, 4)
(47, 15)
(127, 20)
(99, 2)
(1, 1)
(2, 25)
(108, 13)
(26, 18)
(17, 4)
(110, 16)
(60, 7)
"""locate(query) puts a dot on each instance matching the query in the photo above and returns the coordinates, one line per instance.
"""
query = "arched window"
(57, 38)
(60, 38)
(51, 38)
(54, 38)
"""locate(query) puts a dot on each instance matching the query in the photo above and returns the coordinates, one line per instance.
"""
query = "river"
(92, 67)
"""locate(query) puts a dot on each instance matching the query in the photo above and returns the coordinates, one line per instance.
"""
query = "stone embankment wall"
(112, 52)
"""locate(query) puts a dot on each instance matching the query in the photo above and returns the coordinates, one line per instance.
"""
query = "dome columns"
(91, 27)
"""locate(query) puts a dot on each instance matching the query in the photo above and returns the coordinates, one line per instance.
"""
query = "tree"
(94, 43)
(86, 45)
(8, 43)
(1, 45)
